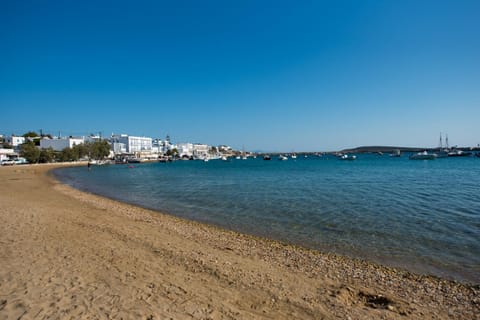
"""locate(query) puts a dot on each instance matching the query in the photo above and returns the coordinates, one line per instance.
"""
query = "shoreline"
(119, 260)
(428, 263)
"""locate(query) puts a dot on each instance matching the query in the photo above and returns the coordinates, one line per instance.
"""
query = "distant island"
(387, 149)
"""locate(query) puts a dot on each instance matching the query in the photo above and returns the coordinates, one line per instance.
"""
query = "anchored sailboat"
(442, 151)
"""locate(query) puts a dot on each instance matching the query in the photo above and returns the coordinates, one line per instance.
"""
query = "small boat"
(443, 149)
(396, 153)
(224, 158)
(244, 155)
(459, 153)
(347, 157)
(294, 156)
(423, 156)
(134, 160)
(282, 157)
(99, 162)
(267, 157)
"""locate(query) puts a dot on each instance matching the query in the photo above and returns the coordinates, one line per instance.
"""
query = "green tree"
(68, 154)
(46, 155)
(79, 151)
(172, 152)
(98, 150)
(30, 152)
(30, 134)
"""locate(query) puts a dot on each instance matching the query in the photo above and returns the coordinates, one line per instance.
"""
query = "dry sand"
(65, 254)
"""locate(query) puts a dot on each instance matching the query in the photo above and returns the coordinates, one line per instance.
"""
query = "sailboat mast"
(441, 144)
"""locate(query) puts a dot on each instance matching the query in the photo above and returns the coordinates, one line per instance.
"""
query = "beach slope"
(65, 254)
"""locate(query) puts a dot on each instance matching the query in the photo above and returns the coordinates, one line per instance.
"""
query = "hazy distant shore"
(69, 254)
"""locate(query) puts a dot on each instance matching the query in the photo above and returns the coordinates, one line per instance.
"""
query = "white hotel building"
(130, 144)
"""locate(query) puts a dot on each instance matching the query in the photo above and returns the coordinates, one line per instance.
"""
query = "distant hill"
(388, 149)
(385, 149)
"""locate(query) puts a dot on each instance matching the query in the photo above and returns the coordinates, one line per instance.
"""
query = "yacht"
(282, 157)
(347, 157)
(443, 150)
(396, 153)
(422, 156)
(244, 155)
(459, 153)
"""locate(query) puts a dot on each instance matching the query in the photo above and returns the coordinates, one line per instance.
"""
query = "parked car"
(21, 160)
(8, 163)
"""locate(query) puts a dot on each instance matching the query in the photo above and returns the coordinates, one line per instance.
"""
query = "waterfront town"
(121, 148)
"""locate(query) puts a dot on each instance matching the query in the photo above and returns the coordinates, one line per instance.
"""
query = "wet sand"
(66, 254)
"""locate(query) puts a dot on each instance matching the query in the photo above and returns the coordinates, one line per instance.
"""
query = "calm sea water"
(420, 215)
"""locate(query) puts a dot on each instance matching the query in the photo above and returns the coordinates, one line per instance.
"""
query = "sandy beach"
(65, 254)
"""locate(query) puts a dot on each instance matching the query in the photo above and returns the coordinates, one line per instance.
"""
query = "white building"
(133, 144)
(119, 148)
(185, 149)
(14, 140)
(201, 151)
(160, 146)
(58, 144)
(93, 138)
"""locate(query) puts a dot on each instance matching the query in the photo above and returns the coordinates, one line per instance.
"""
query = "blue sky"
(269, 75)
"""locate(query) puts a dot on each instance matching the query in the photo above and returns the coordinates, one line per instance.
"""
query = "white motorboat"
(347, 157)
(423, 156)
(396, 153)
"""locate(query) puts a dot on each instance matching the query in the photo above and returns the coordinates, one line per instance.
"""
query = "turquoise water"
(420, 215)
